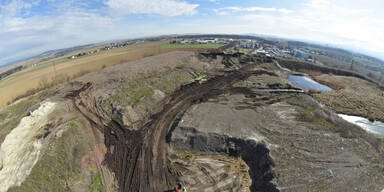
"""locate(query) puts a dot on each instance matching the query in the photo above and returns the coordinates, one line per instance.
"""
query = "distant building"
(300, 54)
(248, 44)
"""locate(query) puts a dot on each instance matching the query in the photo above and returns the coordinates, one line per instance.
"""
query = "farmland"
(61, 69)
(192, 46)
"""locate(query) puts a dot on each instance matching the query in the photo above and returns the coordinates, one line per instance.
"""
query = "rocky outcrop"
(22, 147)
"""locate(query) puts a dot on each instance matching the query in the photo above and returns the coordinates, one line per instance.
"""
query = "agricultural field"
(192, 46)
(61, 69)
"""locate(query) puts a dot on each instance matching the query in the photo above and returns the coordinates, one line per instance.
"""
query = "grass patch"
(138, 96)
(381, 143)
(96, 184)
(197, 70)
(11, 115)
(117, 119)
(136, 92)
(313, 118)
(192, 46)
(199, 78)
(309, 111)
(74, 125)
(239, 84)
(180, 67)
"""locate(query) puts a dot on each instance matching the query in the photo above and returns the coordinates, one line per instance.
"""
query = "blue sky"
(29, 27)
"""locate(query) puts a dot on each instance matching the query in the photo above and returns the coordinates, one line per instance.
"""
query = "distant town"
(247, 46)
(104, 48)
(250, 46)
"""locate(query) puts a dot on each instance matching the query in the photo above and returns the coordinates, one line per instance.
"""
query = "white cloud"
(228, 10)
(324, 21)
(72, 22)
(14, 7)
(161, 7)
(24, 35)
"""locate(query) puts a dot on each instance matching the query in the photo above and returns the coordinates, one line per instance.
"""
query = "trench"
(138, 157)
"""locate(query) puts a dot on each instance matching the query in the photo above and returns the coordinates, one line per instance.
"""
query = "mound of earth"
(189, 118)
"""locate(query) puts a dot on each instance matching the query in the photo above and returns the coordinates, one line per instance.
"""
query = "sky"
(30, 27)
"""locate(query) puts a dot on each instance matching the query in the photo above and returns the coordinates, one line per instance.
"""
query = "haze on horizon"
(29, 27)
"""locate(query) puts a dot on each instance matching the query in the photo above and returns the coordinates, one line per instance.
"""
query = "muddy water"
(376, 127)
(306, 83)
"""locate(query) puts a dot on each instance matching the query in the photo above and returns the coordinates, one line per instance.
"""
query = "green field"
(192, 46)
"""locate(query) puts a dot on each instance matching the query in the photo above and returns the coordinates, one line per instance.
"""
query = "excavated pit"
(138, 157)
(254, 153)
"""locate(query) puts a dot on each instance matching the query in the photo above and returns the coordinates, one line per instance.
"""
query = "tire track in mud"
(139, 157)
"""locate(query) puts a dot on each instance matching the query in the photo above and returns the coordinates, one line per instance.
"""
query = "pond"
(306, 83)
(376, 128)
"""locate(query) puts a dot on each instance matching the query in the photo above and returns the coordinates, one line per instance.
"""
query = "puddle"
(306, 83)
